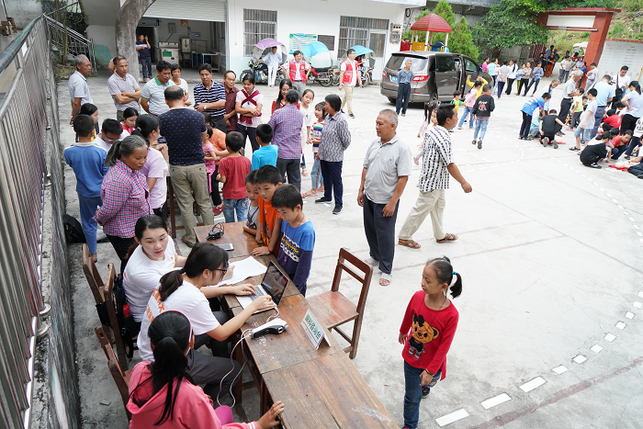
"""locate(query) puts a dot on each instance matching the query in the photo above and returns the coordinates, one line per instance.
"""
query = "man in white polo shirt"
(153, 93)
(78, 88)
(387, 167)
(123, 87)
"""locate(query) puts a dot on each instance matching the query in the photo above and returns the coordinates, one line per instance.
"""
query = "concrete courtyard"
(550, 255)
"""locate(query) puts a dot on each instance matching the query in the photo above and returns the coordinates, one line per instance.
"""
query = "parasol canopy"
(361, 50)
(581, 45)
(314, 48)
(432, 22)
(268, 43)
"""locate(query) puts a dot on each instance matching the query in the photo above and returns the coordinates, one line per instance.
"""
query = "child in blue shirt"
(267, 153)
(297, 236)
(88, 163)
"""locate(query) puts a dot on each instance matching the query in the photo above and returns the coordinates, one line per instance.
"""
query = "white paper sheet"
(244, 269)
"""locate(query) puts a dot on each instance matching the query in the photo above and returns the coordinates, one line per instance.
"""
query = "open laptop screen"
(274, 283)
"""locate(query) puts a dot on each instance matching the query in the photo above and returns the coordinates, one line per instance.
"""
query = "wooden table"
(320, 388)
(233, 233)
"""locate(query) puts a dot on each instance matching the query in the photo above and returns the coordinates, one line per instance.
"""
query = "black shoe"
(640, 176)
(350, 115)
(595, 165)
(322, 200)
(337, 210)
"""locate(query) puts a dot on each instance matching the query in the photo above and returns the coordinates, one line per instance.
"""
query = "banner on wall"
(299, 40)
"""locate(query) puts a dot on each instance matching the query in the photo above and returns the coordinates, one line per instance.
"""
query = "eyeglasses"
(223, 271)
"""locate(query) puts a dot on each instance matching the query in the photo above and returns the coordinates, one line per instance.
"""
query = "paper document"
(248, 267)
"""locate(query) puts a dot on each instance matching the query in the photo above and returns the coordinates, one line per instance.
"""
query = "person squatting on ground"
(427, 331)
(386, 170)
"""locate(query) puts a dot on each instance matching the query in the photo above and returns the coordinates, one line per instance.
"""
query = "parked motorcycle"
(325, 76)
(260, 71)
(367, 74)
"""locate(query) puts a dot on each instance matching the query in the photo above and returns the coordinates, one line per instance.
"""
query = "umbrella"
(581, 45)
(314, 48)
(268, 43)
(360, 50)
(431, 23)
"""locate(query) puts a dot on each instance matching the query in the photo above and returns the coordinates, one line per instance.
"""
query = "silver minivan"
(436, 75)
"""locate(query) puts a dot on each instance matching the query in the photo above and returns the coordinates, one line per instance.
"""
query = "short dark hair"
(287, 196)
(504, 62)
(553, 112)
(204, 66)
(477, 83)
(112, 126)
(611, 112)
(250, 77)
(229, 71)
(264, 133)
(445, 111)
(83, 125)
(175, 67)
(88, 109)
(625, 68)
(456, 93)
(581, 91)
(209, 130)
(593, 92)
(350, 51)
(292, 96)
(334, 102)
(234, 141)
(268, 174)
(173, 93)
(619, 105)
(252, 177)
(607, 77)
(486, 87)
(207, 118)
(546, 96)
(162, 66)
(594, 64)
(297, 52)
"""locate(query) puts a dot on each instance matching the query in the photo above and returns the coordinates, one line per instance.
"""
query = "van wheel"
(391, 100)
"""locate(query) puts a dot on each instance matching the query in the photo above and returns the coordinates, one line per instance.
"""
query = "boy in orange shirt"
(268, 179)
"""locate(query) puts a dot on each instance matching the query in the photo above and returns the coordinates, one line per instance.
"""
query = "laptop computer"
(273, 284)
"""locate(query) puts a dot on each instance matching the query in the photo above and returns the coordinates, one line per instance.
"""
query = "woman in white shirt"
(513, 68)
(187, 290)
(153, 257)
(176, 79)
(633, 102)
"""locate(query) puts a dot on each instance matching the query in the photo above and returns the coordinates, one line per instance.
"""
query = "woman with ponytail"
(163, 394)
(155, 169)
(427, 331)
(187, 290)
(125, 194)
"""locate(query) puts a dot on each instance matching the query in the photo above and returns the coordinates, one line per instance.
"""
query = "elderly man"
(153, 93)
(123, 87)
(569, 90)
(298, 71)
(286, 124)
(349, 78)
(387, 166)
(185, 132)
(230, 115)
(78, 88)
(604, 96)
(210, 96)
(437, 165)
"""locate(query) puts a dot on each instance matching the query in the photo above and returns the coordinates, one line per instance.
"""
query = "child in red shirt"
(427, 331)
(233, 170)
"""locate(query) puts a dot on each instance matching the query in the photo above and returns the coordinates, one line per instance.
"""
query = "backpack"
(73, 230)
(129, 328)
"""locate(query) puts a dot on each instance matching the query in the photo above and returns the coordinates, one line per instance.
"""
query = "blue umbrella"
(314, 48)
(360, 50)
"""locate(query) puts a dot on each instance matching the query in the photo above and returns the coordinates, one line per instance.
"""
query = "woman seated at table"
(151, 257)
(162, 394)
(187, 291)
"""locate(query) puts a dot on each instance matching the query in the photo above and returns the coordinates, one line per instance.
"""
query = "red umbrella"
(431, 23)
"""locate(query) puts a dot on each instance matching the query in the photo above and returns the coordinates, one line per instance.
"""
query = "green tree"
(443, 9)
(461, 40)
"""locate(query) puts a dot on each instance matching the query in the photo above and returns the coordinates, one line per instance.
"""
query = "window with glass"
(367, 32)
(258, 25)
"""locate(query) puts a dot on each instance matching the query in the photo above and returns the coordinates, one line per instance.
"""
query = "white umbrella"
(581, 45)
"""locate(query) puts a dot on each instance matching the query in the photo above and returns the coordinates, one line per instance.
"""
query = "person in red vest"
(298, 71)
(348, 78)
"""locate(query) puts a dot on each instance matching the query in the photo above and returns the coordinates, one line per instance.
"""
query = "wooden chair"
(108, 293)
(93, 276)
(333, 309)
(121, 378)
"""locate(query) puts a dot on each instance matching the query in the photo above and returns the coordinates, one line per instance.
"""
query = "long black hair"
(145, 124)
(170, 334)
(279, 97)
(445, 273)
(204, 256)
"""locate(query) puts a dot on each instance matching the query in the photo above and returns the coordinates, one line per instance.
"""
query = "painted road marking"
(531, 385)
(453, 417)
(496, 400)
(559, 369)
(579, 359)
(610, 337)
(596, 348)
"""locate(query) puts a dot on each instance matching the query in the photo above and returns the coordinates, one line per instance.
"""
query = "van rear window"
(396, 62)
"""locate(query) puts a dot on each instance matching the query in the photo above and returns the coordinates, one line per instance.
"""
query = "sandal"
(304, 172)
(310, 193)
(409, 243)
(448, 237)
(385, 279)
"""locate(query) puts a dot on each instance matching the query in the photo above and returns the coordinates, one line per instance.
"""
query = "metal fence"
(27, 97)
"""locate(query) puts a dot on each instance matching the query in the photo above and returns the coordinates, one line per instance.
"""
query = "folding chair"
(333, 309)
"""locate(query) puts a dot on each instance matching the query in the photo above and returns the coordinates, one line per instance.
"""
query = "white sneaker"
(100, 235)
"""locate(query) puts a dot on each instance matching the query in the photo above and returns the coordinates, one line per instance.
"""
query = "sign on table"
(314, 330)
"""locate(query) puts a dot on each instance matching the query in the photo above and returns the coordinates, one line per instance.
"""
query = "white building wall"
(311, 17)
(104, 38)
(617, 53)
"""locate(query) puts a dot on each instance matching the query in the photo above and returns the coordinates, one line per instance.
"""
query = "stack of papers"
(244, 269)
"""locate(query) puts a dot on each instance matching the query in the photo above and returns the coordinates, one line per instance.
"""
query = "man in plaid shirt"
(286, 124)
(437, 165)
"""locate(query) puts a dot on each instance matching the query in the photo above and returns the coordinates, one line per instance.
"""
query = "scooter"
(325, 76)
(366, 75)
